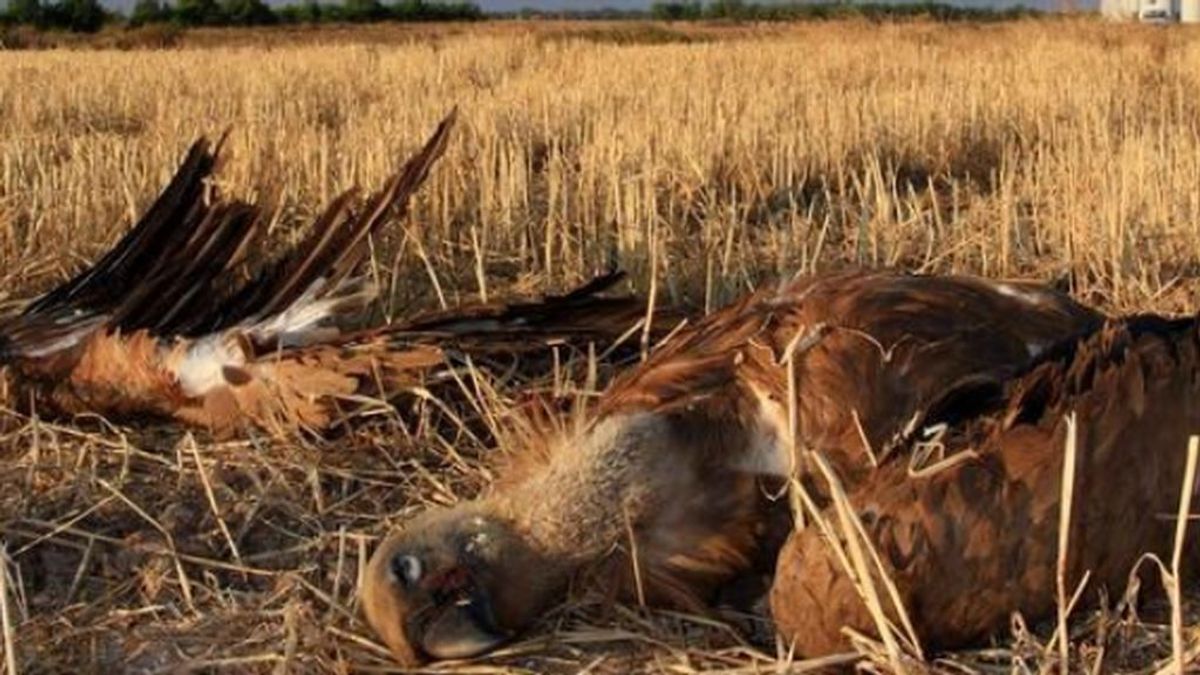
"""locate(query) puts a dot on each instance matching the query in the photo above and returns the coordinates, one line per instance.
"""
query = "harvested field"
(706, 161)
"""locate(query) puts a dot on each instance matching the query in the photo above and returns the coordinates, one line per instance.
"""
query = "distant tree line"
(90, 15)
(76, 15)
(785, 10)
(693, 10)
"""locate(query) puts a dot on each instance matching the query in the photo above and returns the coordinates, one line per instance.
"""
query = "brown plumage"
(978, 540)
(682, 452)
(169, 324)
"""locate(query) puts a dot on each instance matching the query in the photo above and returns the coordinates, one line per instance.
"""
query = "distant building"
(1152, 11)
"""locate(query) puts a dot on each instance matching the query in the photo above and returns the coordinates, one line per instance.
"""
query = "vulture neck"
(602, 485)
(681, 487)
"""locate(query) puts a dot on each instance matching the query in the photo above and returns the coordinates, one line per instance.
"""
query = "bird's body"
(682, 454)
(873, 353)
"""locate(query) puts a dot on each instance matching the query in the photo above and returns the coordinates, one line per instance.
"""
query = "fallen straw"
(1185, 500)
(1064, 540)
(10, 655)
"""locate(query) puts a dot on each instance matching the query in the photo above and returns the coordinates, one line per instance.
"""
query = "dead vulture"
(682, 455)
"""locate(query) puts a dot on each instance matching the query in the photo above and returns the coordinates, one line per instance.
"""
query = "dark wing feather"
(194, 282)
(577, 318)
(309, 385)
(583, 303)
(126, 284)
(336, 244)
(158, 234)
(177, 272)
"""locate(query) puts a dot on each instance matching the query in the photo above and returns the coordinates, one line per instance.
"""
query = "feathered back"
(874, 353)
(972, 543)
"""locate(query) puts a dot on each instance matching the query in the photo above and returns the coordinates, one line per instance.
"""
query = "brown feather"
(978, 540)
(302, 389)
(310, 387)
(117, 373)
(307, 387)
(885, 349)
(176, 272)
(63, 316)
(156, 234)
(337, 243)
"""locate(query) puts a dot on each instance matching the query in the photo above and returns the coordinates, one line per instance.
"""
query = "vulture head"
(455, 583)
(458, 583)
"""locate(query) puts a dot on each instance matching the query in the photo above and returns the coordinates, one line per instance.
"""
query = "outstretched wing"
(164, 230)
(178, 272)
(297, 292)
(181, 220)
(505, 326)
(321, 268)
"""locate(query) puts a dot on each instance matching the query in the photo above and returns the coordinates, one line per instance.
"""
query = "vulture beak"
(459, 621)
(461, 630)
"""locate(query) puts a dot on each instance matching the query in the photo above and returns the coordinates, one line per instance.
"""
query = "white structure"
(1189, 11)
(1152, 11)
(1119, 9)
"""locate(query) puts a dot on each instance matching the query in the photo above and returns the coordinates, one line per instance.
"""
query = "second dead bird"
(164, 325)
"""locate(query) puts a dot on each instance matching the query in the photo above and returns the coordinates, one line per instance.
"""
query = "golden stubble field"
(705, 161)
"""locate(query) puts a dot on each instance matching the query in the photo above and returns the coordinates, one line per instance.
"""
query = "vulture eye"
(407, 569)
